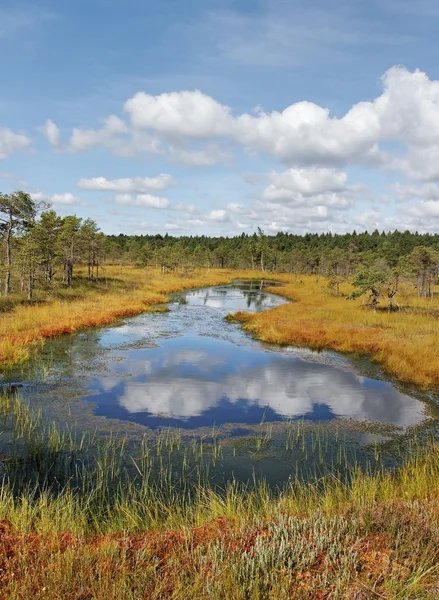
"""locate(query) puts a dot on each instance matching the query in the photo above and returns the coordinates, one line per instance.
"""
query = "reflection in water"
(191, 368)
(247, 296)
(200, 381)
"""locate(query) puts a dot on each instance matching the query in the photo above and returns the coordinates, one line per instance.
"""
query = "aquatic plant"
(97, 517)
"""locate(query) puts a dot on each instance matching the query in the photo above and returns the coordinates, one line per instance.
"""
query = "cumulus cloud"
(220, 216)
(180, 114)
(142, 201)
(304, 133)
(11, 142)
(128, 185)
(309, 182)
(192, 128)
(302, 199)
(298, 185)
(114, 134)
(66, 199)
(397, 131)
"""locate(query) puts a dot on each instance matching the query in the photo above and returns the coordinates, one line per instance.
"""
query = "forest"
(40, 248)
(109, 513)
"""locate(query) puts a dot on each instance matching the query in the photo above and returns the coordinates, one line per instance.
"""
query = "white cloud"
(309, 199)
(187, 208)
(51, 132)
(173, 227)
(11, 142)
(128, 185)
(207, 157)
(234, 207)
(299, 184)
(142, 201)
(428, 191)
(114, 134)
(220, 216)
(66, 199)
(398, 130)
(408, 111)
(189, 114)
(429, 208)
(304, 133)
(86, 139)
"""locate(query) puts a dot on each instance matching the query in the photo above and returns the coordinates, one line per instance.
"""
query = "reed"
(84, 516)
(90, 517)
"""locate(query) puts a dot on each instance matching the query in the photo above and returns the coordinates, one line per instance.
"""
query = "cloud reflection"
(182, 383)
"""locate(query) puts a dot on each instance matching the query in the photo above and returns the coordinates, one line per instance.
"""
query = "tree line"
(37, 244)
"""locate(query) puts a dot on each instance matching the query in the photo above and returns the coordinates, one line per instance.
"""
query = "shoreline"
(404, 344)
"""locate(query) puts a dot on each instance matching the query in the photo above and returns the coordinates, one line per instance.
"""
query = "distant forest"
(283, 252)
(39, 247)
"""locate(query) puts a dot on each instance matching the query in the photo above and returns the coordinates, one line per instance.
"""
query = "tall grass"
(90, 517)
(404, 342)
(122, 293)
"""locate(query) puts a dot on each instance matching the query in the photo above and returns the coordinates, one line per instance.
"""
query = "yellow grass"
(405, 343)
(129, 292)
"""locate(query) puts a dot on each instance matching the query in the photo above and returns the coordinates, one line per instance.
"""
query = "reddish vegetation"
(176, 554)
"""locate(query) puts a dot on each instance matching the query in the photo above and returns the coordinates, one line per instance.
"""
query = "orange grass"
(27, 326)
(394, 556)
(405, 343)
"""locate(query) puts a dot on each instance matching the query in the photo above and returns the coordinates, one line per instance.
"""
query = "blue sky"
(218, 117)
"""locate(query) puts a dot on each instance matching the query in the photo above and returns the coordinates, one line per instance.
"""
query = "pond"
(191, 369)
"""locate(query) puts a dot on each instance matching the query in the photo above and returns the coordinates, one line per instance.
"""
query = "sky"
(217, 117)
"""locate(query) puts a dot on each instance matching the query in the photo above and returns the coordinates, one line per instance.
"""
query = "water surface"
(190, 368)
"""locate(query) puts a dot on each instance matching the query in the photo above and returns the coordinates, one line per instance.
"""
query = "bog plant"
(90, 517)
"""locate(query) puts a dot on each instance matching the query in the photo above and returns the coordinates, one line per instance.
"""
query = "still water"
(190, 368)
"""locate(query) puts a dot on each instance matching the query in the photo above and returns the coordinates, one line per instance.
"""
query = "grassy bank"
(61, 310)
(232, 547)
(90, 518)
(404, 342)
(83, 517)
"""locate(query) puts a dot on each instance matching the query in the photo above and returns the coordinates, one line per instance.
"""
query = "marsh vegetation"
(271, 467)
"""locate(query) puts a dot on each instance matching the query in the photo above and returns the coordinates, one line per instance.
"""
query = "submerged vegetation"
(90, 517)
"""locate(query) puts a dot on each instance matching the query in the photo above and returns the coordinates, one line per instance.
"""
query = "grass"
(403, 342)
(90, 517)
(78, 522)
(25, 327)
